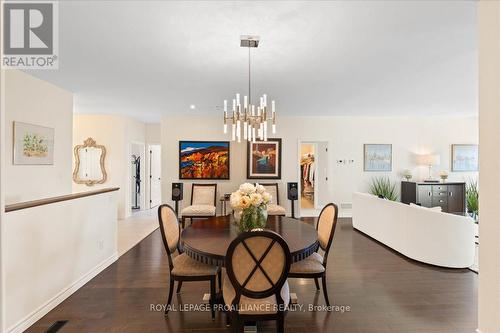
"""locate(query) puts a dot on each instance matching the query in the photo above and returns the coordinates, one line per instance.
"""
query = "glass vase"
(253, 218)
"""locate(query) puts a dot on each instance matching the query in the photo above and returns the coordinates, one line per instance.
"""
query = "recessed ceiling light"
(192, 106)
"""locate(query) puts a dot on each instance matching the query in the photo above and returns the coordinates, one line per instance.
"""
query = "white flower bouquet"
(249, 203)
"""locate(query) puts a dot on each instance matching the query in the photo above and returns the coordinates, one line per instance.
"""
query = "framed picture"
(203, 159)
(264, 159)
(464, 158)
(378, 157)
(33, 144)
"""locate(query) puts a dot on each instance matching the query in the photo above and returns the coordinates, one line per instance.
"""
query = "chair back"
(204, 194)
(170, 230)
(257, 264)
(273, 191)
(327, 222)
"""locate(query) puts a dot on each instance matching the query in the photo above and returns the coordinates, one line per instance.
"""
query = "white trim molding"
(33, 317)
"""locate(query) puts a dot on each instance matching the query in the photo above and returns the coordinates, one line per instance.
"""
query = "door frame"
(148, 177)
(317, 188)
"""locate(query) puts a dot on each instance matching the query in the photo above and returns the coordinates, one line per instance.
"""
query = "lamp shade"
(428, 159)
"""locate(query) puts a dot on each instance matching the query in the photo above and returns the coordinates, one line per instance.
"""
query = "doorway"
(313, 177)
(137, 175)
(154, 175)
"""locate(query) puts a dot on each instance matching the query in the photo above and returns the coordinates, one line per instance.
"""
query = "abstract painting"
(264, 159)
(203, 159)
(464, 158)
(377, 157)
(33, 144)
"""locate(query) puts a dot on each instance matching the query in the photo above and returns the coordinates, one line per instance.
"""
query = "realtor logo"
(30, 35)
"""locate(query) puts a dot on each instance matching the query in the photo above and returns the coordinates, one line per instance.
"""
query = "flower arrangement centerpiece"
(249, 203)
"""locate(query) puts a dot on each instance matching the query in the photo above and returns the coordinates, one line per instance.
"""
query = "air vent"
(346, 205)
(56, 326)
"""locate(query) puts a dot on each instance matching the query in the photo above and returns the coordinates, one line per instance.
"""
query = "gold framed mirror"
(89, 163)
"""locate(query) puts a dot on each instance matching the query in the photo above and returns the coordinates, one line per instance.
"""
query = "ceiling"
(147, 59)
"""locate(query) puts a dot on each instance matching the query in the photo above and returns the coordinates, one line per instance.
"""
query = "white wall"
(47, 257)
(31, 100)
(346, 136)
(489, 123)
(116, 133)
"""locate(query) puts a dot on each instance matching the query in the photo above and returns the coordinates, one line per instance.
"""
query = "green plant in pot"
(383, 187)
(472, 197)
(250, 206)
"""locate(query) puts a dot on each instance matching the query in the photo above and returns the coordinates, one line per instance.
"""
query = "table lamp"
(429, 160)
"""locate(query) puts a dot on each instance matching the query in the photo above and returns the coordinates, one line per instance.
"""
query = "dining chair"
(274, 208)
(182, 267)
(255, 286)
(314, 266)
(203, 202)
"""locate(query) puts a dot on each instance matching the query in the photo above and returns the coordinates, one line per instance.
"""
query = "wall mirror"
(89, 163)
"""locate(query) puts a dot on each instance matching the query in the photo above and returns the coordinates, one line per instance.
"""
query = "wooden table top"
(207, 240)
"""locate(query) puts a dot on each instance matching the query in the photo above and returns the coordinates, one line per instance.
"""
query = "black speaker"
(177, 192)
(293, 191)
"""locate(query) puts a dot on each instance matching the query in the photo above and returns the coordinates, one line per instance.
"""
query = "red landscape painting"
(204, 160)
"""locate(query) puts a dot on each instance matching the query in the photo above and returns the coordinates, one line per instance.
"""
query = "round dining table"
(207, 240)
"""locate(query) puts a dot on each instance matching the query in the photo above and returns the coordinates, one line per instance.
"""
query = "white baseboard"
(41, 311)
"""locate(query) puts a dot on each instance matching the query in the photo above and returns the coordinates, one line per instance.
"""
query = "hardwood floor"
(385, 292)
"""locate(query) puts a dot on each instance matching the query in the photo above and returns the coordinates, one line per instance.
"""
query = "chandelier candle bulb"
(238, 99)
(245, 101)
(225, 107)
(234, 105)
(245, 130)
(273, 107)
(233, 135)
(274, 128)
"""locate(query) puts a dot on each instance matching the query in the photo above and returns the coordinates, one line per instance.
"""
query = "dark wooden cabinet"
(449, 196)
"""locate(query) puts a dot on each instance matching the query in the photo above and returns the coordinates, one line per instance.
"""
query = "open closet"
(307, 176)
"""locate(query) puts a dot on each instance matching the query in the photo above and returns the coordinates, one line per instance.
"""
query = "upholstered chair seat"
(273, 209)
(203, 203)
(184, 265)
(255, 283)
(251, 305)
(312, 264)
(199, 210)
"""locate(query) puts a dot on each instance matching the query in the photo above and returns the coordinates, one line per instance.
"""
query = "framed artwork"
(264, 159)
(464, 158)
(203, 159)
(33, 144)
(378, 157)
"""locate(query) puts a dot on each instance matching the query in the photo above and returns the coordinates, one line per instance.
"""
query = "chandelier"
(249, 121)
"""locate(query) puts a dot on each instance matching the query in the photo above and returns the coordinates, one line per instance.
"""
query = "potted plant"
(472, 198)
(384, 188)
(249, 203)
